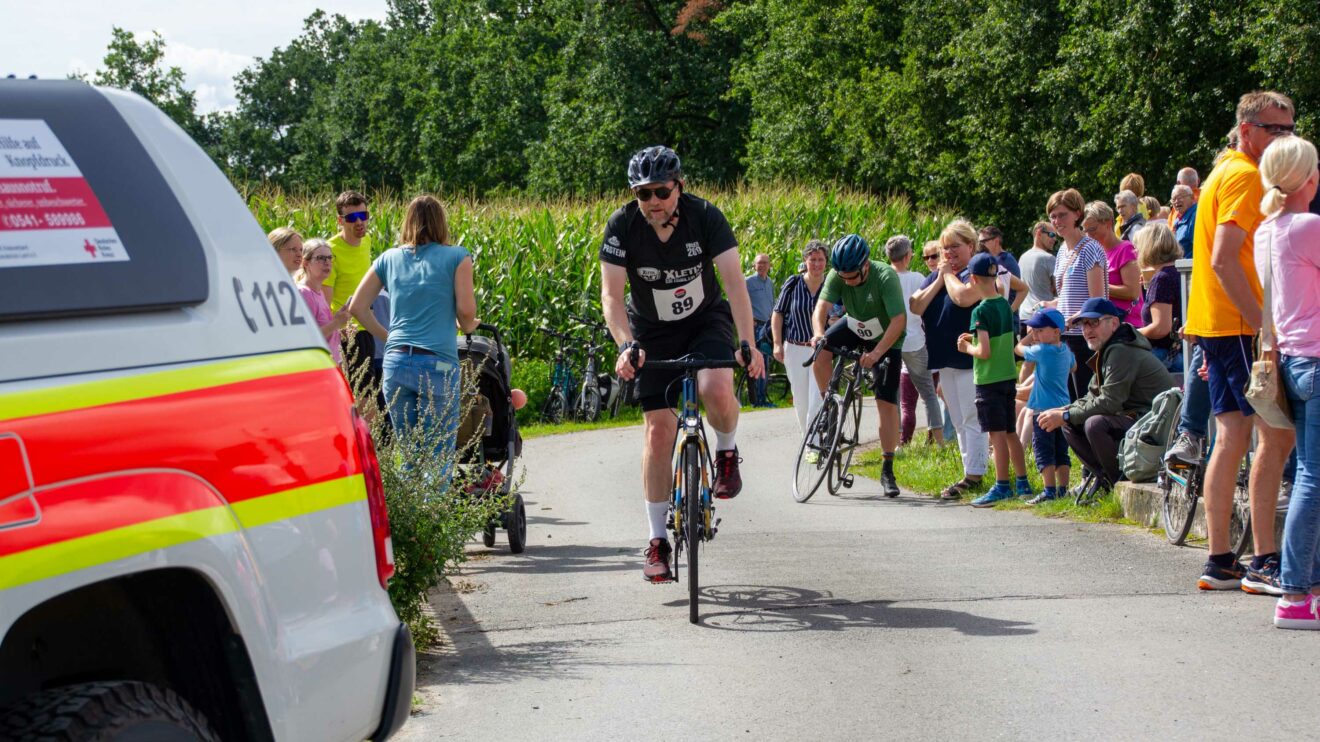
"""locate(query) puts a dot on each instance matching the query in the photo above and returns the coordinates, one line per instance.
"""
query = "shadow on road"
(557, 560)
(770, 609)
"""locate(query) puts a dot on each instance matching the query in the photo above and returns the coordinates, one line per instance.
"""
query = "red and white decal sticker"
(48, 213)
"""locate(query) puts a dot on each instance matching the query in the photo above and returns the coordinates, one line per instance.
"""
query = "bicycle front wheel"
(1180, 496)
(777, 388)
(850, 428)
(553, 411)
(589, 403)
(1239, 521)
(817, 451)
(694, 515)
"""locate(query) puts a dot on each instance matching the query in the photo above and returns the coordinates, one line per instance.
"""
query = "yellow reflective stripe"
(64, 557)
(54, 399)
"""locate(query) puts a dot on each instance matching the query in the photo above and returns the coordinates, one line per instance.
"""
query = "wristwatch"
(1065, 415)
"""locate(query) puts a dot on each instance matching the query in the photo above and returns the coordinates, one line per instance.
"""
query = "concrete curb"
(1143, 503)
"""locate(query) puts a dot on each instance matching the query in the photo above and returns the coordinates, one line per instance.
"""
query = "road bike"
(559, 402)
(834, 432)
(691, 509)
(1182, 485)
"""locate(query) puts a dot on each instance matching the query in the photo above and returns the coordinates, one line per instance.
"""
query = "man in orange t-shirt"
(1224, 313)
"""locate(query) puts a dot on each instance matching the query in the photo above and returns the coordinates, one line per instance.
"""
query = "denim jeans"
(1301, 531)
(1196, 398)
(423, 390)
(1171, 358)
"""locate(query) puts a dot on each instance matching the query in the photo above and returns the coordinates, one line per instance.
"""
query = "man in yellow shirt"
(352, 249)
(1224, 313)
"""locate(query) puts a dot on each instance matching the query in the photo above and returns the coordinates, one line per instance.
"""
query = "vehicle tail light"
(380, 517)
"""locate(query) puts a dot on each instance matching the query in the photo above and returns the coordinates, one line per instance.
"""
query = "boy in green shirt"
(994, 369)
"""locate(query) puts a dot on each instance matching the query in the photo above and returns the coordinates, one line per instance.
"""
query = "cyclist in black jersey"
(664, 246)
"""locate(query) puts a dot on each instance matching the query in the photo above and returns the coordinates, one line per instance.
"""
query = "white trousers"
(806, 393)
(959, 389)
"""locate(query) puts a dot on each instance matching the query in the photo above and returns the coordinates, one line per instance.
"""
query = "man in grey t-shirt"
(1038, 269)
(761, 290)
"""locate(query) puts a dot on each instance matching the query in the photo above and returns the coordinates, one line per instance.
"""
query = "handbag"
(1265, 388)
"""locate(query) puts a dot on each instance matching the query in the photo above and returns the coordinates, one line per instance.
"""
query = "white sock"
(725, 441)
(655, 513)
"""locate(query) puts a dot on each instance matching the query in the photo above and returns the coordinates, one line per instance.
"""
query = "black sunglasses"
(660, 192)
(932, 256)
(1275, 130)
(356, 216)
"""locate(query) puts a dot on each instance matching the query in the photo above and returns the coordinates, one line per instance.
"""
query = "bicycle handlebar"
(697, 364)
(852, 355)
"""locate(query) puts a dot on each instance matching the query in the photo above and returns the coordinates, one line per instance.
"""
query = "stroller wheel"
(516, 525)
(488, 535)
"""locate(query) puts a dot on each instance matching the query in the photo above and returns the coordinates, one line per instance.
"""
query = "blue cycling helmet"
(656, 164)
(850, 253)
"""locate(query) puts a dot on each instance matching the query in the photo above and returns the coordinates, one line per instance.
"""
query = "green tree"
(139, 67)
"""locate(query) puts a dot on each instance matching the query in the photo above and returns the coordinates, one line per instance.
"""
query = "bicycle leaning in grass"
(691, 509)
(834, 433)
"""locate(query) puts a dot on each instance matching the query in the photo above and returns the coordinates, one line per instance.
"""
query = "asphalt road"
(854, 617)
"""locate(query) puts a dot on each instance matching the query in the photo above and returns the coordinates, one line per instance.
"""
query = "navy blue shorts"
(1051, 449)
(1229, 359)
(886, 387)
(996, 406)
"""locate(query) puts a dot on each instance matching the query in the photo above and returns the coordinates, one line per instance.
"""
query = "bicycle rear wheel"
(1181, 491)
(694, 518)
(1239, 521)
(850, 427)
(776, 388)
(820, 441)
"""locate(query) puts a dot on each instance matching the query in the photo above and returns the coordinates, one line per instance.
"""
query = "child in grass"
(994, 369)
(1053, 363)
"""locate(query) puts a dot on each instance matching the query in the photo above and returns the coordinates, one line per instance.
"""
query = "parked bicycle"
(692, 509)
(776, 384)
(1182, 485)
(600, 390)
(833, 434)
(559, 403)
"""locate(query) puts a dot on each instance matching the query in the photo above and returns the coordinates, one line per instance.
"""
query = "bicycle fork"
(710, 524)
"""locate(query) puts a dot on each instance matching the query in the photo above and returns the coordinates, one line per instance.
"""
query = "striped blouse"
(797, 303)
(1070, 267)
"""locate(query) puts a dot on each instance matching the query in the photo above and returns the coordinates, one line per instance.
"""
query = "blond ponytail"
(1284, 168)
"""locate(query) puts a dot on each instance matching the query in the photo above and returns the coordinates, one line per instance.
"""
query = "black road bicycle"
(833, 434)
(691, 509)
(776, 383)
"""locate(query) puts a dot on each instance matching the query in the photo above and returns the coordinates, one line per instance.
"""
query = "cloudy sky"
(209, 41)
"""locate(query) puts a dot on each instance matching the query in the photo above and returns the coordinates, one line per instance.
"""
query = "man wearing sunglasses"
(665, 247)
(1038, 270)
(1223, 315)
(352, 249)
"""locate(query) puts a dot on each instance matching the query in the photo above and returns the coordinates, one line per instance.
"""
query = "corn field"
(537, 261)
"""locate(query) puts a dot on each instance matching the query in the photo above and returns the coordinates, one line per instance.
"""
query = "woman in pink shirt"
(316, 261)
(1124, 273)
(1288, 254)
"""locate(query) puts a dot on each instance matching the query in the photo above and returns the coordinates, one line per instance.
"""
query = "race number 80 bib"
(675, 304)
(871, 329)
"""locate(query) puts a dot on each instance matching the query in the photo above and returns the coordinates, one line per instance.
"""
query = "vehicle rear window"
(88, 225)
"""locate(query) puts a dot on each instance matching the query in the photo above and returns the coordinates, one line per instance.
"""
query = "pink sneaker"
(1303, 615)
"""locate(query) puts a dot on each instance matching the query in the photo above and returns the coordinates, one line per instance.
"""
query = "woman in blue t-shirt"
(430, 287)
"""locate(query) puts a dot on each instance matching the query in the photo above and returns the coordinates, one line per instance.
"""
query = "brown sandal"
(956, 490)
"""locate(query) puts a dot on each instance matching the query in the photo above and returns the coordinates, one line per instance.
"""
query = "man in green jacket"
(1127, 379)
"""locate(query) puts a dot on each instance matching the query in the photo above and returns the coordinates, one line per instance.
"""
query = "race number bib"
(871, 329)
(675, 304)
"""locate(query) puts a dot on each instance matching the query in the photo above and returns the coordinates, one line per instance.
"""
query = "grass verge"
(628, 416)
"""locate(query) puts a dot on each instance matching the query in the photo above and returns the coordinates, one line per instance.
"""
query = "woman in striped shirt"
(1079, 274)
(790, 325)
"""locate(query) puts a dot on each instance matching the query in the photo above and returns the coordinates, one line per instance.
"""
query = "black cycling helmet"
(850, 253)
(658, 164)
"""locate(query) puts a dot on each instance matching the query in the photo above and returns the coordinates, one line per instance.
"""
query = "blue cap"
(983, 264)
(1047, 318)
(1095, 308)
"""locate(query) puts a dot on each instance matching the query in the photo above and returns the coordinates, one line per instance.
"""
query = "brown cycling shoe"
(657, 561)
(728, 482)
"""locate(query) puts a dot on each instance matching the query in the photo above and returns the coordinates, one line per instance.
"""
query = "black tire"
(1179, 504)
(1239, 521)
(624, 397)
(111, 710)
(694, 522)
(516, 525)
(807, 476)
(777, 389)
(588, 409)
(488, 535)
(555, 405)
(850, 427)
(741, 388)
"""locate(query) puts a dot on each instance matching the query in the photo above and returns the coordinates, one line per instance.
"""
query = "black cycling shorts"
(708, 335)
(886, 386)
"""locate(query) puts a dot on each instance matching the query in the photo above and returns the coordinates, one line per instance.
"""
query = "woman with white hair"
(1128, 206)
(1288, 261)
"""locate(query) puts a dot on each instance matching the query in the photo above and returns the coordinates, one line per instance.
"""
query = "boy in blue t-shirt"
(1053, 362)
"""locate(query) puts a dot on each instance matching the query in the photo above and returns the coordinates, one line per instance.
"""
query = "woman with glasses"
(1079, 274)
(288, 245)
(1038, 269)
(316, 260)
(431, 294)
(1183, 219)
(790, 326)
(1121, 257)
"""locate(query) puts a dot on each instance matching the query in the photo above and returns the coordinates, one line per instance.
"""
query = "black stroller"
(488, 433)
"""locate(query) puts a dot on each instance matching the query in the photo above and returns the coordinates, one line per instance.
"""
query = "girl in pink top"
(1289, 238)
(316, 261)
